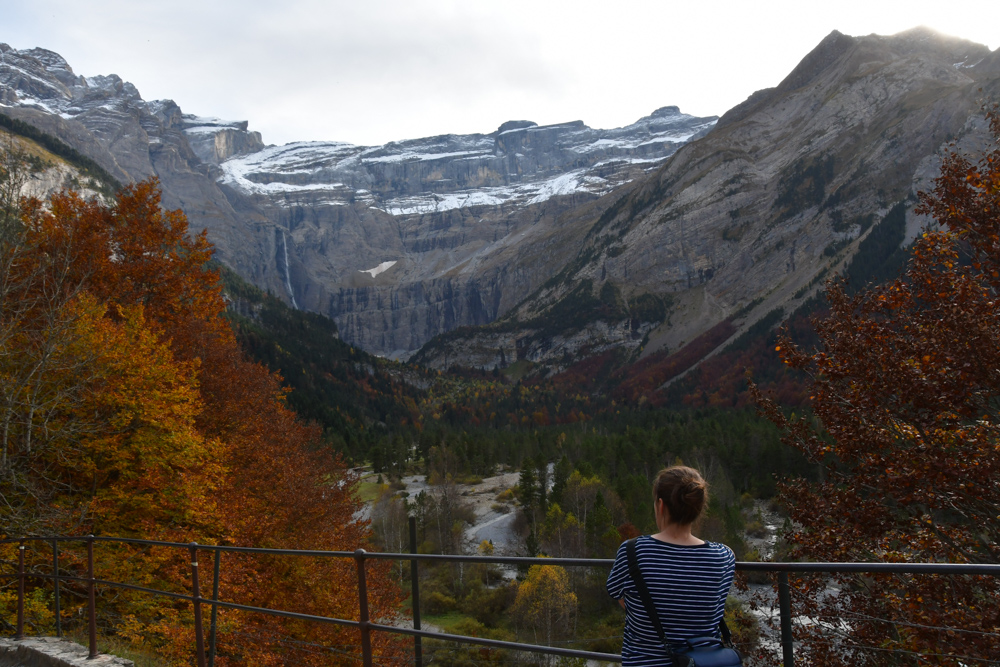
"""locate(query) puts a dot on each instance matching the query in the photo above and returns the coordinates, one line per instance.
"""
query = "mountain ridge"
(656, 232)
(750, 217)
(310, 221)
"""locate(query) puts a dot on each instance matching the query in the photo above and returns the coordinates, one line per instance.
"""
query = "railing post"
(20, 592)
(366, 633)
(418, 649)
(55, 579)
(91, 599)
(215, 609)
(785, 607)
(199, 638)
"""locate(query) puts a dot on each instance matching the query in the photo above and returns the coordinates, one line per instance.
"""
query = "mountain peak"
(666, 112)
(516, 125)
(52, 61)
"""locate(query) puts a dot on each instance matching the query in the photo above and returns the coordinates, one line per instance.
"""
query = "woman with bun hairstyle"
(688, 578)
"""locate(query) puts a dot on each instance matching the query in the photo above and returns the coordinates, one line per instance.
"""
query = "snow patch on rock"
(381, 268)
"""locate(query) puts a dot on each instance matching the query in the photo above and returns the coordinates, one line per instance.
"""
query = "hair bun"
(683, 491)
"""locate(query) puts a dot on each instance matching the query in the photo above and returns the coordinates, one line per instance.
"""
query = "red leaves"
(907, 386)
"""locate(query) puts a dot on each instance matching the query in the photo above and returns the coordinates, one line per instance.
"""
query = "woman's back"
(688, 585)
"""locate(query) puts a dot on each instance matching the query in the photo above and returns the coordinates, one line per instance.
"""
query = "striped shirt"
(688, 585)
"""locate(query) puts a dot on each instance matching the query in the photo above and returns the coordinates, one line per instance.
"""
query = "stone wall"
(52, 652)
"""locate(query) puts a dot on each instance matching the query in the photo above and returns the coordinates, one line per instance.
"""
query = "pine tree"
(560, 474)
(527, 488)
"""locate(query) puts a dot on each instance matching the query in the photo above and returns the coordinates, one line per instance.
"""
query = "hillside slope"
(752, 217)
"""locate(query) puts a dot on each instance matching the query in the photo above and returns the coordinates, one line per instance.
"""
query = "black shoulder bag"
(694, 652)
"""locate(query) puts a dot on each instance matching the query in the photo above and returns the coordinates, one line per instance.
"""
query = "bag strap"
(647, 599)
(727, 636)
(640, 584)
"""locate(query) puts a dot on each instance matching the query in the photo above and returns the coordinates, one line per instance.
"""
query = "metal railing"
(206, 658)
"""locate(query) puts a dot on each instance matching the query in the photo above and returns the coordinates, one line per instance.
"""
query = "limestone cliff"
(398, 243)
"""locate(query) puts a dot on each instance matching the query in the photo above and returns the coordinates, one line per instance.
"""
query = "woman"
(688, 578)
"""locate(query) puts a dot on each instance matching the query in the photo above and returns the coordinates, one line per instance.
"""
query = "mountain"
(397, 243)
(551, 244)
(355, 397)
(106, 120)
(750, 218)
(401, 242)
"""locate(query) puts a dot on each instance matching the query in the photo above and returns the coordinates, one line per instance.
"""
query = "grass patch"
(369, 489)
(447, 622)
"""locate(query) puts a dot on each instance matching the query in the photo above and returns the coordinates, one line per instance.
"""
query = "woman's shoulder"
(712, 550)
(723, 551)
(720, 547)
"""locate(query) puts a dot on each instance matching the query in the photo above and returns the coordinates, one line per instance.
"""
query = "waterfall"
(288, 279)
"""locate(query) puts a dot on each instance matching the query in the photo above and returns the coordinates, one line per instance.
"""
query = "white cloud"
(382, 70)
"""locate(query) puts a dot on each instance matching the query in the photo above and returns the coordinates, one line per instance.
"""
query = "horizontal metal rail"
(360, 556)
(756, 566)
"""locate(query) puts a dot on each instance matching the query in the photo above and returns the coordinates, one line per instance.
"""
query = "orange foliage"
(176, 435)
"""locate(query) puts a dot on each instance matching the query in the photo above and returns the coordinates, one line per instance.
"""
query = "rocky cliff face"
(751, 216)
(557, 241)
(398, 243)
(402, 242)
(107, 120)
(214, 140)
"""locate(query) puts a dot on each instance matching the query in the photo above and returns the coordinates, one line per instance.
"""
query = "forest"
(128, 408)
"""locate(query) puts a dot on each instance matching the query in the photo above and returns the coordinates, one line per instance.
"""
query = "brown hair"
(683, 491)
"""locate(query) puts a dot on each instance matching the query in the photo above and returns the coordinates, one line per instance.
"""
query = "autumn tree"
(906, 390)
(546, 603)
(130, 409)
(560, 533)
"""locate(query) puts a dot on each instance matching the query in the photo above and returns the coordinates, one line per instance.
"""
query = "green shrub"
(435, 603)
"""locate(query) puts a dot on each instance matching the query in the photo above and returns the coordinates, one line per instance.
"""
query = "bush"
(488, 605)
(436, 603)
(743, 624)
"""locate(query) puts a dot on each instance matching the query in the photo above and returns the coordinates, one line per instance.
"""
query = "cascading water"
(288, 279)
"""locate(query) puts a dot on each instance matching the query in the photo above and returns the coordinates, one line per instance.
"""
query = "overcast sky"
(371, 71)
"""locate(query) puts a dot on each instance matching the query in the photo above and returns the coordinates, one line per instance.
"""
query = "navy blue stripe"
(688, 584)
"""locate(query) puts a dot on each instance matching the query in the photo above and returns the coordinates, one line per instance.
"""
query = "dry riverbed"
(494, 518)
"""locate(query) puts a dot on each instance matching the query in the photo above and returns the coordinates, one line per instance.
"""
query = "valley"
(505, 335)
